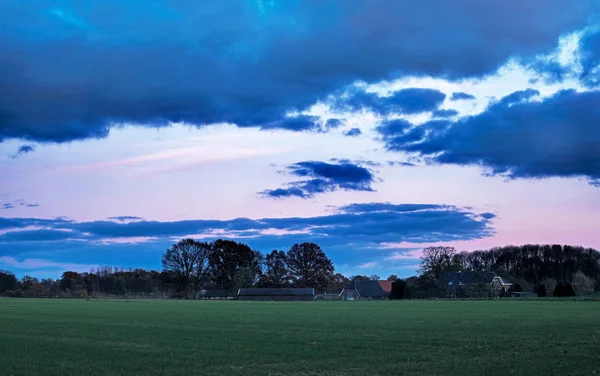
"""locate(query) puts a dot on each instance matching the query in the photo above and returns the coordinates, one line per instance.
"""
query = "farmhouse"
(281, 294)
(359, 289)
(474, 284)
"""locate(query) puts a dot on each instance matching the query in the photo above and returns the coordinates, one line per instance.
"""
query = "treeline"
(532, 268)
(189, 267)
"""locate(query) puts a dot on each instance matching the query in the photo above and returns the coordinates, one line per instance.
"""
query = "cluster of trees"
(545, 269)
(225, 264)
(188, 267)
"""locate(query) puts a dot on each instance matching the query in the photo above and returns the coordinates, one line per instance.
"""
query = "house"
(474, 284)
(359, 289)
(277, 294)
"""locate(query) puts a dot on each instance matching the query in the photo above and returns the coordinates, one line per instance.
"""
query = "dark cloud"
(7, 206)
(556, 137)
(72, 71)
(359, 224)
(125, 218)
(461, 96)
(444, 113)
(400, 163)
(321, 177)
(354, 132)
(333, 123)
(406, 101)
(23, 149)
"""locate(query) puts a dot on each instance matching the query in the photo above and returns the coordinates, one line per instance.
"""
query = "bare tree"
(435, 261)
(188, 259)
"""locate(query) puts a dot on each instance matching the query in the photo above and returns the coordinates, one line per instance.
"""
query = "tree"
(516, 287)
(71, 282)
(374, 277)
(582, 284)
(188, 260)
(398, 289)
(8, 281)
(338, 282)
(392, 278)
(436, 261)
(309, 266)
(233, 265)
(276, 270)
(359, 278)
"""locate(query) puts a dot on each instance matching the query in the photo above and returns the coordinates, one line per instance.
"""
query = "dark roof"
(274, 291)
(218, 293)
(470, 278)
(367, 288)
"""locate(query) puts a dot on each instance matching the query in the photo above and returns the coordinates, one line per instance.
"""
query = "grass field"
(68, 337)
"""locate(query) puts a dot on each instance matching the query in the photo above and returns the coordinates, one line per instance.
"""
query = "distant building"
(369, 290)
(474, 284)
(218, 294)
(276, 294)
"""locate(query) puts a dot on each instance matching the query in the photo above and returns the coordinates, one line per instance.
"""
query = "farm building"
(218, 294)
(359, 289)
(277, 294)
(474, 284)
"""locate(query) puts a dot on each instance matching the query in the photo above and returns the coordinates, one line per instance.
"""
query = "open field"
(67, 337)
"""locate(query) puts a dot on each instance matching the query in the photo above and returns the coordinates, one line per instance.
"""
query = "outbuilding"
(277, 294)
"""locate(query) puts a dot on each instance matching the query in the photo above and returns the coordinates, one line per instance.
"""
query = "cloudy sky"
(374, 128)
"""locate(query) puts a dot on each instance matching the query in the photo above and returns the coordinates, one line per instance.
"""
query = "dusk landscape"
(372, 138)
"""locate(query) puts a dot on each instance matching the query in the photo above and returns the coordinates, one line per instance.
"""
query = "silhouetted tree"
(392, 278)
(374, 277)
(188, 260)
(276, 272)
(309, 266)
(436, 261)
(338, 282)
(398, 289)
(8, 281)
(234, 265)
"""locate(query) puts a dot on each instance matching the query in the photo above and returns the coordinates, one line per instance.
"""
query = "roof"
(369, 288)
(470, 278)
(276, 292)
(386, 286)
(218, 293)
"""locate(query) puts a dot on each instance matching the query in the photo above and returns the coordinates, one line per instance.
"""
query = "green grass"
(68, 337)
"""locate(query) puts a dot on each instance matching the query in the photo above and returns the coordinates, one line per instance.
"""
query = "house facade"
(474, 284)
(366, 290)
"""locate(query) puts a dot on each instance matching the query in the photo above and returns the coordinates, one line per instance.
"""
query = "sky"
(373, 128)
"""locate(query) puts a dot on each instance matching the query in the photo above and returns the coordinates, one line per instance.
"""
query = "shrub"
(563, 289)
(540, 290)
(582, 284)
(516, 287)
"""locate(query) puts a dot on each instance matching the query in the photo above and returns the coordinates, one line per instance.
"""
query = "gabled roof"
(470, 278)
(369, 288)
(275, 291)
(386, 286)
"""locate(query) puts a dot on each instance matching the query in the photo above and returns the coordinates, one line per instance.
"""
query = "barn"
(359, 289)
(277, 294)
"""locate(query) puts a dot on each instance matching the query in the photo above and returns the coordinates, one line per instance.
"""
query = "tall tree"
(233, 265)
(436, 261)
(392, 278)
(188, 260)
(309, 266)
(8, 281)
(276, 272)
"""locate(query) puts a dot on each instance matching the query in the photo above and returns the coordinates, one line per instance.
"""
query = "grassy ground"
(67, 337)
